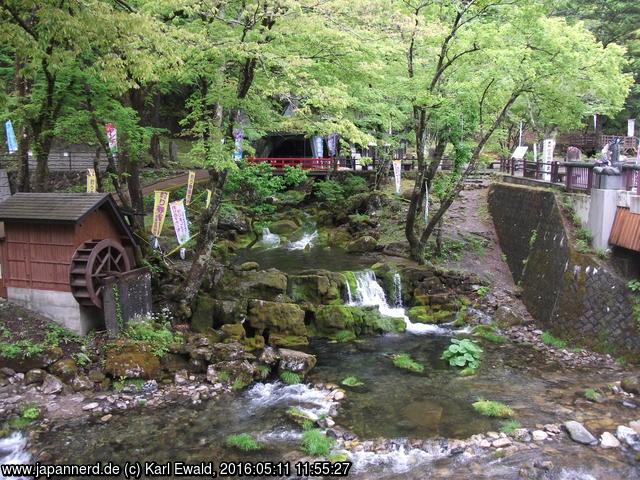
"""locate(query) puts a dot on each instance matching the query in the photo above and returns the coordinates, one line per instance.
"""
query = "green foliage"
(243, 441)
(238, 384)
(490, 408)
(352, 382)
(550, 340)
(591, 395)
(316, 443)
(343, 336)
(463, 353)
(125, 382)
(533, 238)
(255, 183)
(354, 184)
(405, 361)
(293, 176)
(493, 337)
(510, 426)
(29, 412)
(223, 376)
(156, 334)
(634, 285)
(57, 334)
(25, 348)
(329, 191)
(482, 291)
(290, 378)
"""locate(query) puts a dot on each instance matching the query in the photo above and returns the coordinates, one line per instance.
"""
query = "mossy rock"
(279, 320)
(66, 369)
(132, 362)
(339, 237)
(202, 318)
(280, 340)
(363, 244)
(318, 287)
(332, 319)
(246, 266)
(264, 284)
(283, 227)
(421, 314)
(233, 332)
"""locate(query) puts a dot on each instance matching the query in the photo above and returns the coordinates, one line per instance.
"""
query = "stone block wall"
(576, 296)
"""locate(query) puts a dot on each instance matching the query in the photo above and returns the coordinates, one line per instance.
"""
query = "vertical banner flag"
(548, 146)
(426, 202)
(595, 122)
(112, 137)
(631, 127)
(159, 211)
(11, 137)
(520, 136)
(91, 180)
(317, 146)
(396, 173)
(238, 134)
(208, 198)
(190, 183)
(179, 217)
(331, 145)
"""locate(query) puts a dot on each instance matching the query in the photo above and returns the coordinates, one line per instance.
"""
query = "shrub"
(405, 361)
(329, 191)
(243, 441)
(482, 291)
(510, 426)
(316, 443)
(463, 353)
(156, 334)
(290, 378)
(29, 412)
(490, 408)
(352, 382)
(293, 176)
(552, 341)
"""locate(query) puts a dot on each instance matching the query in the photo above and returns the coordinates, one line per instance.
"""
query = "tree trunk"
(208, 230)
(156, 151)
(41, 182)
(24, 184)
(96, 168)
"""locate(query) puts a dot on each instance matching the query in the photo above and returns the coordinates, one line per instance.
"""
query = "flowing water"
(270, 240)
(392, 404)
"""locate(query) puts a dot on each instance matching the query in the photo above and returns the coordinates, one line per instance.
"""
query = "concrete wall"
(576, 296)
(61, 307)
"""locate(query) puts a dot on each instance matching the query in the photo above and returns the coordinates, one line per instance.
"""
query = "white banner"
(180, 225)
(548, 146)
(631, 127)
(397, 167)
(426, 203)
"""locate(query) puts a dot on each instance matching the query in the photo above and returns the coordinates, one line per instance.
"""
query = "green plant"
(329, 191)
(463, 353)
(634, 285)
(243, 441)
(510, 426)
(602, 253)
(264, 370)
(24, 348)
(352, 382)
(29, 412)
(489, 408)
(552, 341)
(405, 361)
(238, 384)
(156, 334)
(503, 257)
(533, 237)
(223, 376)
(125, 382)
(344, 336)
(293, 176)
(582, 246)
(591, 395)
(290, 378)
(482, 291)
(316, 443)
(493, 337)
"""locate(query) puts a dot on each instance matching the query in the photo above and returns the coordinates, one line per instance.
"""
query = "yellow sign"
(208, 198)
(91, 181)
(159, 211)
(190, 183)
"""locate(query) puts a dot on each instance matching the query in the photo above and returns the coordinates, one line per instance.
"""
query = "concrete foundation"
(602, 212)
(61, 307)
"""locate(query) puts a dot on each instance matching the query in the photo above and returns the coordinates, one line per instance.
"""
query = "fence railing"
(576, 176)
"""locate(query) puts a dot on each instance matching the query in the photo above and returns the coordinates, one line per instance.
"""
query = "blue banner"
(317, 145)
(11, 137)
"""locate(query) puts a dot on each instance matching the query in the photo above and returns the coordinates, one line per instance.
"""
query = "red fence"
(304, 163)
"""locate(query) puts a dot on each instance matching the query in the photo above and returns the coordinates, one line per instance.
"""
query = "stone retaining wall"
(576, 296)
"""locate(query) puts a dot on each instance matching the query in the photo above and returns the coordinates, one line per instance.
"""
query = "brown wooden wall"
(38, 255)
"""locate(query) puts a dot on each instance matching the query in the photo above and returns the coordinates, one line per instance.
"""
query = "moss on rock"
(332, 319)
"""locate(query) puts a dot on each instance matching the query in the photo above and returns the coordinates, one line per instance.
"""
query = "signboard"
(631, 127)
(397, 167)
(91, 180)
(159, 211)
(112, 137)
(190, 183)
(12, 145)
(548, 146)
(180, 225)
(519, 152)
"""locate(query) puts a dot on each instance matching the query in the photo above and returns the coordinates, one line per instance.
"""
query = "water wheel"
(91, 263)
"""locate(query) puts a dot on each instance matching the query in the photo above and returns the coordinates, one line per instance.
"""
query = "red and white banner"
(180, 225)
(112, 137)
(397, 167)
(190, 183)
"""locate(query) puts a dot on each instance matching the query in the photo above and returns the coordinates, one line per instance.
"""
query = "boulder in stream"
(579, 433)
(295, 361)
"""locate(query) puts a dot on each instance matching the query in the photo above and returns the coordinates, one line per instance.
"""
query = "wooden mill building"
(56, 249)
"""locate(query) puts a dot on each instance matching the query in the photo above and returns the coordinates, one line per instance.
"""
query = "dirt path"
(468, 220)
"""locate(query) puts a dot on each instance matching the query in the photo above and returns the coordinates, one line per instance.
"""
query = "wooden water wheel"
(91, 263)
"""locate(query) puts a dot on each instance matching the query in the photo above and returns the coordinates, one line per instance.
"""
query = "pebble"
(91, 406)
(501, 443)
(106, 418)
(627, 435)
(539, 435)
(607, 440)
(635, 425)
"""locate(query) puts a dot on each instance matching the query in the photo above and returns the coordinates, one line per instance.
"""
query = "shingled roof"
(58, 208)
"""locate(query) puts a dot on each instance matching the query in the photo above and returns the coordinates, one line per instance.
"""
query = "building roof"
(59, 208)
(625, 231)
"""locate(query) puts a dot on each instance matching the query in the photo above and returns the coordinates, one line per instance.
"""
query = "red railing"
(322, 164)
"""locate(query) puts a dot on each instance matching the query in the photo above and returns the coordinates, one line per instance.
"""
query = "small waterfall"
(307, 240)
(270, 240)
(369, 292)
(349, 294)
(397, 287)
(13, 451)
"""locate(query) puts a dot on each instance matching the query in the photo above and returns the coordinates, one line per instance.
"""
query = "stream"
(394, 409)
